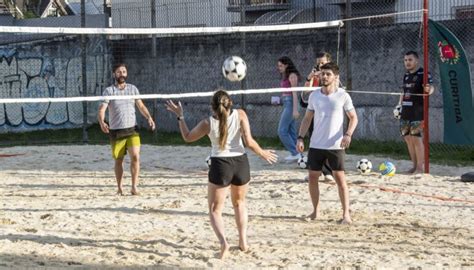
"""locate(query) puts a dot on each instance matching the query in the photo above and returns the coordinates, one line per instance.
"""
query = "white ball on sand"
(364, 166)
(397, 112)
(303, 162)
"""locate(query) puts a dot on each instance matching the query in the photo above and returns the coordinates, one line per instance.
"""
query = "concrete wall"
(439, 9)
(65, 21)
(33, 65)
(49, 69)
(6, 19)
(172, 13)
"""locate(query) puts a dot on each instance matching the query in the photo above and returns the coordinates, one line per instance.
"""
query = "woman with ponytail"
(228, 129)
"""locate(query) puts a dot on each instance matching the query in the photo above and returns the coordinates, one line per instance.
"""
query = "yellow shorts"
(119, 146)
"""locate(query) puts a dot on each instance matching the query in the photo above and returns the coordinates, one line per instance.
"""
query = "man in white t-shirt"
(327, 106)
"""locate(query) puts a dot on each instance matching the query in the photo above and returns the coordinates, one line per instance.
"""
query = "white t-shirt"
(328, 118)
(121, 111)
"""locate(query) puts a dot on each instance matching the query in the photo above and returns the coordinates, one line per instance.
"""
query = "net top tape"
(190, 30)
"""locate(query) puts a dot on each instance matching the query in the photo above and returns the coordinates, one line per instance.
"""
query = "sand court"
(59, 208)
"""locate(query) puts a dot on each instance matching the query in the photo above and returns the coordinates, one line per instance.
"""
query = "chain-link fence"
(368, 50)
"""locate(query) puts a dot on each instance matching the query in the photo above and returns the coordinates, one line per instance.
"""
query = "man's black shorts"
(317, 157)
(229, 170)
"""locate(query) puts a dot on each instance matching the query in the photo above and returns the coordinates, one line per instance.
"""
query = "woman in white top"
(229, 168)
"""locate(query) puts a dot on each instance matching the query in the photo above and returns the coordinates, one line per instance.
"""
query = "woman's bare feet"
(134, 192)
(345, 220)
(224, 251)
(418, 171)
(120, 191)
(314, 215)
(243, 246)
(410, 171)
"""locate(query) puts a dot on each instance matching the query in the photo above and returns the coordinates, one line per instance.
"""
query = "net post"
(85, 137)
(426, 138)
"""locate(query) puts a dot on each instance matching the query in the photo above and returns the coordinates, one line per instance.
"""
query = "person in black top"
(411, 120)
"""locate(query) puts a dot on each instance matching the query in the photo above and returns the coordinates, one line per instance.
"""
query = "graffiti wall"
(50, 69)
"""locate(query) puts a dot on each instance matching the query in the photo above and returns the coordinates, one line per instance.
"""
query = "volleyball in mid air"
(234, 69)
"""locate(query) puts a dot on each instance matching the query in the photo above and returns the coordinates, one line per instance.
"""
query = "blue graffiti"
(49, 69)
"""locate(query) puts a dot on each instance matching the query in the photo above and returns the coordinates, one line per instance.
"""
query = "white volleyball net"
(53, 77)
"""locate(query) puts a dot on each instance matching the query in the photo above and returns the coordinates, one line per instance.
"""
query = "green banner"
(455, 85)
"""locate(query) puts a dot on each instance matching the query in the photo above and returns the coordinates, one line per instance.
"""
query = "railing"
(3, 8)
(257, 2)
(258, 5)
(13, 9)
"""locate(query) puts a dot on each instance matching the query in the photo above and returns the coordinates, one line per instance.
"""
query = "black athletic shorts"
(317, 157)
(229, 170)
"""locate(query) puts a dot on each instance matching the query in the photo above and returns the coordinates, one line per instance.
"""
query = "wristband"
(347, 134)
(179, 118)
(300, 138)
(308, 80)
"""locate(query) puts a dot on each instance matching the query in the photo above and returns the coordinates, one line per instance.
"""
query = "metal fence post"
(426, 104)
(348, 45)
(243, 22)
(85, 137)
(154, 56)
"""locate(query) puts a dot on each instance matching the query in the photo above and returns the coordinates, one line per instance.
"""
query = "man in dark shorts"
(411, 119)
(312, 80)
(327, 106)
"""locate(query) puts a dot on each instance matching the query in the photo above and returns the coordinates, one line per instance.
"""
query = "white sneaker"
(292, 158)
(328, 177)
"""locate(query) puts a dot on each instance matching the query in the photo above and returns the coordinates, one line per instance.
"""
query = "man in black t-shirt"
(411, 120)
